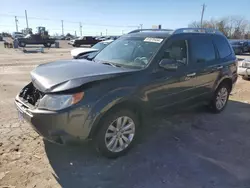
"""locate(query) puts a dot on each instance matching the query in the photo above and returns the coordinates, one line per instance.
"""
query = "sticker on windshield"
(155, 40)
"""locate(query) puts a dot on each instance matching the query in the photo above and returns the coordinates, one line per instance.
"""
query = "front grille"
(30, 94)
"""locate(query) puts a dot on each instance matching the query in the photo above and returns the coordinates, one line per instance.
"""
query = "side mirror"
(168, 64)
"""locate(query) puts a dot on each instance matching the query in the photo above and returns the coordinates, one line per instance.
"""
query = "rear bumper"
(59, 127)
(244, 71)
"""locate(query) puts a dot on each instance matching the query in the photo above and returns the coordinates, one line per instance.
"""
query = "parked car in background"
(1, 38)
(35, 39)
(244, 68)
(248, 42)
(87, 40)
(239, 46)
(17, 35)
(103, 38)
(107, 98)
(89, 53)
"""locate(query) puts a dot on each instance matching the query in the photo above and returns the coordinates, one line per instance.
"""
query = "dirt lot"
(190, 149)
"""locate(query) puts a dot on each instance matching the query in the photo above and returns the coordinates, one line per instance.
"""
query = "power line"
(68, 21)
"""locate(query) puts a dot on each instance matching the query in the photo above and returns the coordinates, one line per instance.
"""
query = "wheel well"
(228, 82)
(134, 107)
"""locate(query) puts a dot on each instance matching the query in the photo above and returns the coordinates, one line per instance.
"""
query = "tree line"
(233, 27)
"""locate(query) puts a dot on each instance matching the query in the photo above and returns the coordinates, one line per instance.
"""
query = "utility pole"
(75, 33)
(81, 28)
(16, 21)
(27, 23)
(141, 26)
(62, 29)
(202, 13)
(106, 32)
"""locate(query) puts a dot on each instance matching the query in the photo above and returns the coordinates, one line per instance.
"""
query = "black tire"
(48, 45)
(100, 139)
(245, 78)
(214, 107)
(22, 44)
(241, 52)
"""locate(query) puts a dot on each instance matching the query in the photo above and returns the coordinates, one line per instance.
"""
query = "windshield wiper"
(106, 63)
(111, 64)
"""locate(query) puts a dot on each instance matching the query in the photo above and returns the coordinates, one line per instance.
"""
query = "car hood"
(68, 74)
(77, 51)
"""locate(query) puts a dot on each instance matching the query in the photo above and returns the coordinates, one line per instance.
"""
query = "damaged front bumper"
(68, 125)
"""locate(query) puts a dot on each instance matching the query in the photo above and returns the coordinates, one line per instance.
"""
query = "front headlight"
(59, 102)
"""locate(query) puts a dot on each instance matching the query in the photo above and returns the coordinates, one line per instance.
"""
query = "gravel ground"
(193, 148)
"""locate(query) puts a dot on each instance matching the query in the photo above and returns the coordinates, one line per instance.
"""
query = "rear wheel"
(117, 133)
(220, 98)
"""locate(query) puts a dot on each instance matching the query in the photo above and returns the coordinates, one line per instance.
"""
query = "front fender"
(105, 103)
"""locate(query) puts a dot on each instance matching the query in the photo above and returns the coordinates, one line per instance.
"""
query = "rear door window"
(202, 49)
(222, 46)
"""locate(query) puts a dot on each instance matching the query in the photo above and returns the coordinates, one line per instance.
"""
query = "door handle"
(191, 75)
(219, 67)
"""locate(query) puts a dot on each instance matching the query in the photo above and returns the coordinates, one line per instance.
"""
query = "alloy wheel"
(120, 134)
(221, 98)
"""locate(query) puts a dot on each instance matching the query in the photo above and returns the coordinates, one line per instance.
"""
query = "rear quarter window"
(222, 45)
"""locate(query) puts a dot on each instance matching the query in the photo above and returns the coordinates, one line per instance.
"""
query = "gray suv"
(146, 70)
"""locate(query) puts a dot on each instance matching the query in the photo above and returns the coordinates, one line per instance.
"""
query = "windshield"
(130, 52)
(99, 46)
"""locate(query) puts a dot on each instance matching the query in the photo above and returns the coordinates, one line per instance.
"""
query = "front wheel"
(22, 44)
(47, 45)
(245, 77)
(117, 133)
(220, 98)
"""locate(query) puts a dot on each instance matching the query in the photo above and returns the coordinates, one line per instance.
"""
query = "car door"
(170, 88)
(203, 58)
(33, 39)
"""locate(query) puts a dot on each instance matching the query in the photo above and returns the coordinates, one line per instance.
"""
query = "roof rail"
(141, 30)
(197, 30)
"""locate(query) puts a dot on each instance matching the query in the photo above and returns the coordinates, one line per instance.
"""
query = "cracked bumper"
(69, 125)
